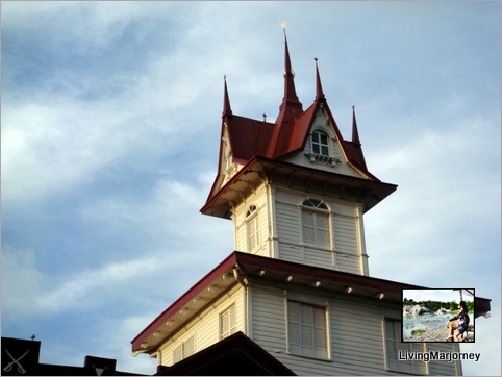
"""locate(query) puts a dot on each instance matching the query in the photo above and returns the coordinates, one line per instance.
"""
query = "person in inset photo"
(458, 324)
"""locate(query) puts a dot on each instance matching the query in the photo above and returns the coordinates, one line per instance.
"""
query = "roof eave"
(257, 267)
(143, 342)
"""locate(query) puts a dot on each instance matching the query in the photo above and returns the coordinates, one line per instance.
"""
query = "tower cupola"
(295, 189)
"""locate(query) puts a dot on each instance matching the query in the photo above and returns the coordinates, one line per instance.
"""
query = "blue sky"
(111, 115)
(445, 295)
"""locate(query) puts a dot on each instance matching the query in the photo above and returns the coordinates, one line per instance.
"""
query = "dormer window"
(319, 143)
(320, 149)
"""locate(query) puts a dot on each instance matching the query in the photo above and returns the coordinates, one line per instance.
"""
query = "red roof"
(253, 138)
(250, 138)
(276, 269)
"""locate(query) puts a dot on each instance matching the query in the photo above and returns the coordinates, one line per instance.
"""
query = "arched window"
(252, 227)
(315, 222)
(319, 143)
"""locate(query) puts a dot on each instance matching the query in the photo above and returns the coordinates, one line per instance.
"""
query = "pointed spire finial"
(283, 26)
(355, 133)
(227, 110)
(319, 92)
(287, 57)
(291, 106)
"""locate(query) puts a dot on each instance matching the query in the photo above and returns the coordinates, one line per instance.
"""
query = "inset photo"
(439, 315)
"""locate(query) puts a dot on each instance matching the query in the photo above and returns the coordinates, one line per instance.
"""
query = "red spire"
(290, 107)
(355, 134)
(227, 111)
(319, 92)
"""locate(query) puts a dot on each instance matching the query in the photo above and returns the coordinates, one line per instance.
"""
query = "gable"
(338, 155)
(241, 140)
(250, 138)
(244, 139)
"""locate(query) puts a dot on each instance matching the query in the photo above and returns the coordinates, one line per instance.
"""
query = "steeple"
(291, 107)
(355, 145)
(355, 133)
(227, 110)
(319, 92)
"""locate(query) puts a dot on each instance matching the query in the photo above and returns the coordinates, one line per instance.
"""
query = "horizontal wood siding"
(441, 368)
(288, 216)
(206, 327)
(357, 336)
(356, 329)
(268, 313)
(319, 258)
(258, 199)
(345, 234)
(344, 252)
(347, 249)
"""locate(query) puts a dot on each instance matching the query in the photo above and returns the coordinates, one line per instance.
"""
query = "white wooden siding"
(343, 254)
(259, 199)
(356, 326)
(268, 316)
(206, 327)
(280, 230)
(441, 368)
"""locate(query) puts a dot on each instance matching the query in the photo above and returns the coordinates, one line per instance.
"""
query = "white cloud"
(116, 108)
(169, 226)
(89, 289)
(21, 281)
(123, 330)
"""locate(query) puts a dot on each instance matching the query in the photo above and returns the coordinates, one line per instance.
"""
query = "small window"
(315, 222)
(251, 211)
(253, 235)
(319, 143)
(185, 349)
(315, 203)
(392, 347)
(307, 330)
(227, 322)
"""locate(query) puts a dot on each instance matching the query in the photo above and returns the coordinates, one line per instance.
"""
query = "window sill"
(405, 373)
(318, 158)
(328, 359)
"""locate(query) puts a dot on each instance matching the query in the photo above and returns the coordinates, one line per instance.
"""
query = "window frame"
(230, 313)
(392, 346)
(319, 212)
(252, 228)
(303, 349)
(324, 149)
(183, 351)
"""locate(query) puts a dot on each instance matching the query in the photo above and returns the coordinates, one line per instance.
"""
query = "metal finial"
(283, 26)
